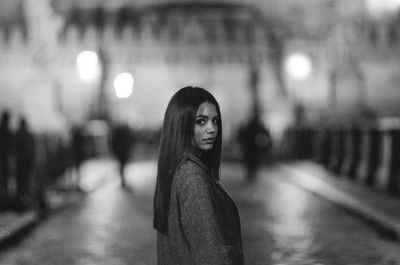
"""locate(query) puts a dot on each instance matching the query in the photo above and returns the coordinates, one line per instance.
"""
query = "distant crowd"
(16, 161)
(30, 162)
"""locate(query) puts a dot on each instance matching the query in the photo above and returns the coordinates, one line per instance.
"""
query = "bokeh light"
(123, 85)
(87, 63)
(381, 7)
(298, 66)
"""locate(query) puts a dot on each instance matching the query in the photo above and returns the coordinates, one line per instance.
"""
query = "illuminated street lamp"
(123, 85)
(88, 65)
(298, 66)
(379, 8)
(93, 66)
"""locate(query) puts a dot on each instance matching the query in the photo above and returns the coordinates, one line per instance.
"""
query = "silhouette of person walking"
(5, 150)
(78, 151)
(255, 142)
(121, 144)
(24, 160)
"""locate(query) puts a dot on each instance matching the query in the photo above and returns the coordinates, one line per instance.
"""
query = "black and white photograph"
(200, 132)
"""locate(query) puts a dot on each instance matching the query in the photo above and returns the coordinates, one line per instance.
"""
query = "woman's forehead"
(207, 108)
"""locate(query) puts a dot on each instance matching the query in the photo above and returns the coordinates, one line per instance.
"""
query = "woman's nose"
(211, 127)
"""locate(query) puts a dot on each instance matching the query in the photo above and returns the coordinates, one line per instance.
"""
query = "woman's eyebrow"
(205, 116)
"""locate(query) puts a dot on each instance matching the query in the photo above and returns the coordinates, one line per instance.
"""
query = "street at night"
(282, 223)
(293, 106)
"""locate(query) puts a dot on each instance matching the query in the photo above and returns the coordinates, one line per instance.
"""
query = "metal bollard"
(383, 172)
(373, 156)
(317, 150)
(369, 156)
(394, 172)
(337, 150)
(355, 152)
(361, 171)
(347, 151)
(326, 147)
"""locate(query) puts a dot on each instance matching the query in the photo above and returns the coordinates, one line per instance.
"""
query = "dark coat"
(203, 222)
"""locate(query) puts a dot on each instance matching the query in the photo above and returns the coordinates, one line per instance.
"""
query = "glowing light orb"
(87, 63)
(123, 85)
(381, 7)
(298, 66)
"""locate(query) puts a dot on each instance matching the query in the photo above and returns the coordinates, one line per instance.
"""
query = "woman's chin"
(207, 147)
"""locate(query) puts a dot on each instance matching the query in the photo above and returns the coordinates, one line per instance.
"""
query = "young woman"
(197, 222)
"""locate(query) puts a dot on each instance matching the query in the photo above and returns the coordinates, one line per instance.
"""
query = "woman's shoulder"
(188, 167)
(189, 172)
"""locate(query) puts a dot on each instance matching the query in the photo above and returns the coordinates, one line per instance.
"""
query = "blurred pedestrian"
(196, 219)
(121, 143)
(78, 151)
(5, 152)
(24, 161)
(255, 143)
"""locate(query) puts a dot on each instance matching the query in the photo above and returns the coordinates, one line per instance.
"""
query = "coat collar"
(198, 161)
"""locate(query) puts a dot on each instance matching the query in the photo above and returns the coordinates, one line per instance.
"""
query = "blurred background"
(69, 62)
(319, 78)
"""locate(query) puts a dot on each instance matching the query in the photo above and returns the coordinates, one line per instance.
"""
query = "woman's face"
(205, 126)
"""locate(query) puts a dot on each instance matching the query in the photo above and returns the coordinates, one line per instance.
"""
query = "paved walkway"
(282, 223)
(377, 207)
(95, 173)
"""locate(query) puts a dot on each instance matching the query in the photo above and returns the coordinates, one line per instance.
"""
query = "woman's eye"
(201, 121)
(215, 121)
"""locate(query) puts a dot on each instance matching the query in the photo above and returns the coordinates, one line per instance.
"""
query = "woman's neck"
(205, 156)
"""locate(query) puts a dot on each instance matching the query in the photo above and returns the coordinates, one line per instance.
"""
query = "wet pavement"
(282, 223)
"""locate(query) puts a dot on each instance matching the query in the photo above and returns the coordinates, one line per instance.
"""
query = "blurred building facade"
(165, 45)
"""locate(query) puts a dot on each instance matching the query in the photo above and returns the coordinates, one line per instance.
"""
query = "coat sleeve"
(199, 218)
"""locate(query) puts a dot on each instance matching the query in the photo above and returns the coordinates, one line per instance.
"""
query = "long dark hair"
(176, 140)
